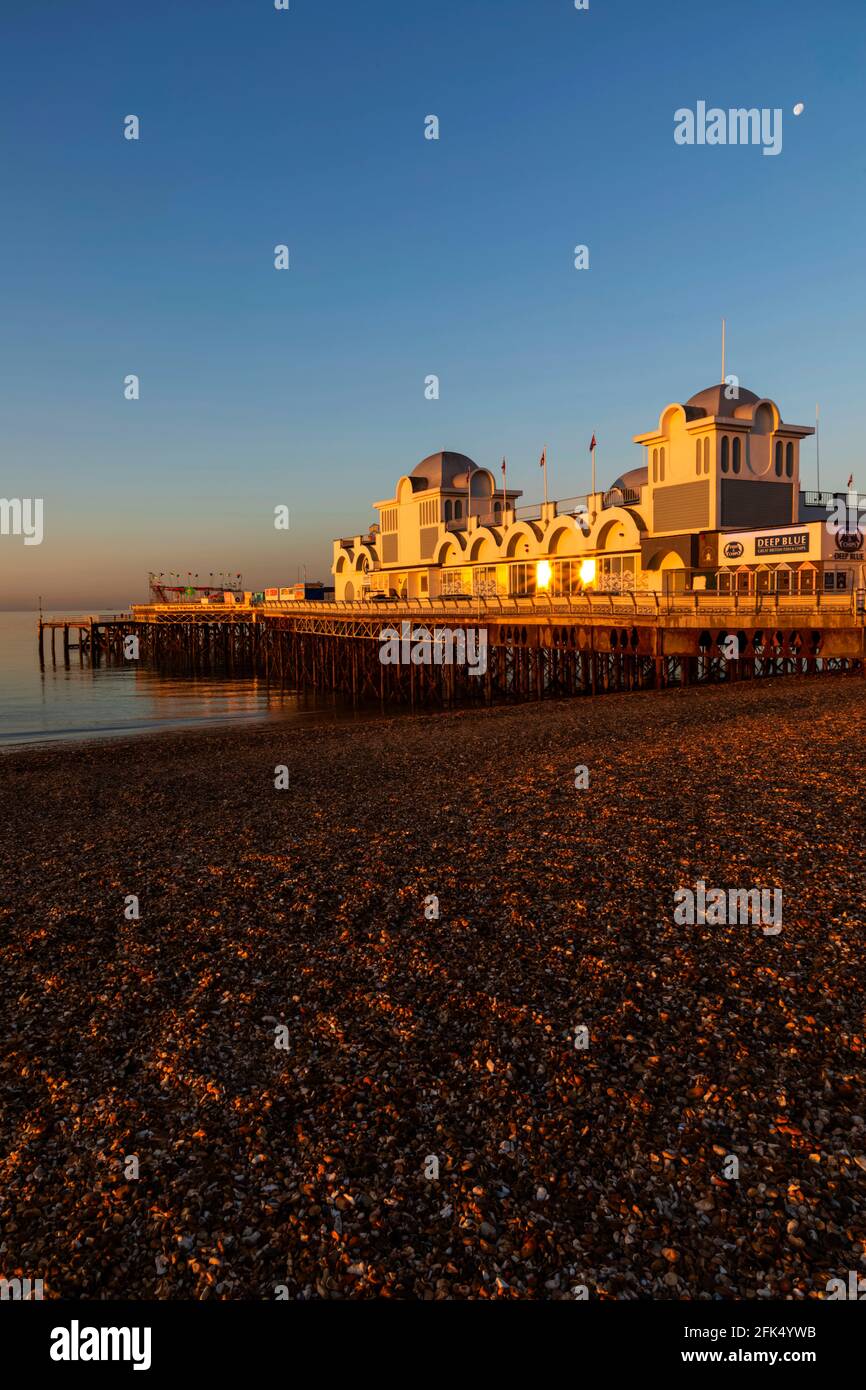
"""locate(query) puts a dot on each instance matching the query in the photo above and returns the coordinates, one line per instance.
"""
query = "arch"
(736, 452)
(458, 510)
(448, 510)
(778, 457)
(725, 451)
(655, 465)
(349, 591)
(340, 565)
(706, 453)
(699, 457)
(449, 551)
(789, 460)
(764, 418)
(661, 464)
(484, 540)
(664, 559)
(522, 534)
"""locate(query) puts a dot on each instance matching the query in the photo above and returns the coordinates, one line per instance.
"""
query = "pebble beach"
(341, 1039)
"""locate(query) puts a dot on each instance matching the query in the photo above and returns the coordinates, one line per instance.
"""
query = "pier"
(535, 647)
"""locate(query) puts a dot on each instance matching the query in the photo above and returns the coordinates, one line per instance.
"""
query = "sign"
(733, 550)
(849, 541)
(272, 595)
(786, 543)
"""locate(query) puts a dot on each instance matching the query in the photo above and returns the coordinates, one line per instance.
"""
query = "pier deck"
(534, 646)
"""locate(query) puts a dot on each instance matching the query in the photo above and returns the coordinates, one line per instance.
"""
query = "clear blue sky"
(409, 257)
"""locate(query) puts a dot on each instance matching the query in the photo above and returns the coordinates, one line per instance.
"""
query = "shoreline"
(412, 1036)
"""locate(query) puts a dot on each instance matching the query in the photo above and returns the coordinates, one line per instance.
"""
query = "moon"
(799, 108)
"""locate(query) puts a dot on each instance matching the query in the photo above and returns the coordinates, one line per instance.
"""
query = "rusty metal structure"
(535, 648)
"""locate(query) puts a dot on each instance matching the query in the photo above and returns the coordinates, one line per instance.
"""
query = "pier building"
(715, 506)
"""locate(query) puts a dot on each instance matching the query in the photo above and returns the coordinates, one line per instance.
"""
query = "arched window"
(789, 460)
(655, 465)
(707, 454)
(778, 458)
(735, 459)
(458, 510)
(497, 507)
(724, 453)
(661, 465)
(697, 456)
(447, 511)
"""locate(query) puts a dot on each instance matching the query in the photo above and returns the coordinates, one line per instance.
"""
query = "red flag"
(592, 444)
(851, 480)
(503, 468)
(543, 458)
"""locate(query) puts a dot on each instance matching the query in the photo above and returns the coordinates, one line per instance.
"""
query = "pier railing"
(647, 604)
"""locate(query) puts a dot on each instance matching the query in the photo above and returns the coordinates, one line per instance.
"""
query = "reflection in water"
(83, 701)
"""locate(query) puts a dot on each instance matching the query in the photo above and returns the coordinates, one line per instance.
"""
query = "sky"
(409, 258)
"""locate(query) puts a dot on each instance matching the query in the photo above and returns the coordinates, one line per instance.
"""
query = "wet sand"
(308, 1172)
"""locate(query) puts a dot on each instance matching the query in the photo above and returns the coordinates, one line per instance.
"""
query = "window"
(458, 510)
(783, 581)
(452, 582)
(698, 457)
(789, 460)
(724, 453)
(707, 454)
(807, 581)
(724, 582)
(447, 511)
(661, 465)
(429, 516)
(841, 579)
(389, 519)
(521, 580)
(484, 580)
(497, 508)
(778, 458)
(615, 573)
(735, 460)
(655, 465)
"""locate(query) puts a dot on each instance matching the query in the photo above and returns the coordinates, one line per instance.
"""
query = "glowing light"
(587, 572)
(543, 574)
(799, 108)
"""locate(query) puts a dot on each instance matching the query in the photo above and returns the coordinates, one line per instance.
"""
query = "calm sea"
(81, 702)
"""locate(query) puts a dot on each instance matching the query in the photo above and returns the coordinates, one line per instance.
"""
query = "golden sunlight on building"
(715, 505)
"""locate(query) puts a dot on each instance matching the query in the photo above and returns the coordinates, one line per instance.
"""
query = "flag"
(851, 480)
(592, 444)
(543, 463)
(503, 468)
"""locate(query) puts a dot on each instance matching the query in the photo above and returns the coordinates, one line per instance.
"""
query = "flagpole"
(544, 456)
(504, 494)
(593, 469)
(817, 450)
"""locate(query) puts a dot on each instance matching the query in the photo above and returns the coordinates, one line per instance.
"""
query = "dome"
(634, 478)
(444, 470)
(713, 401)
